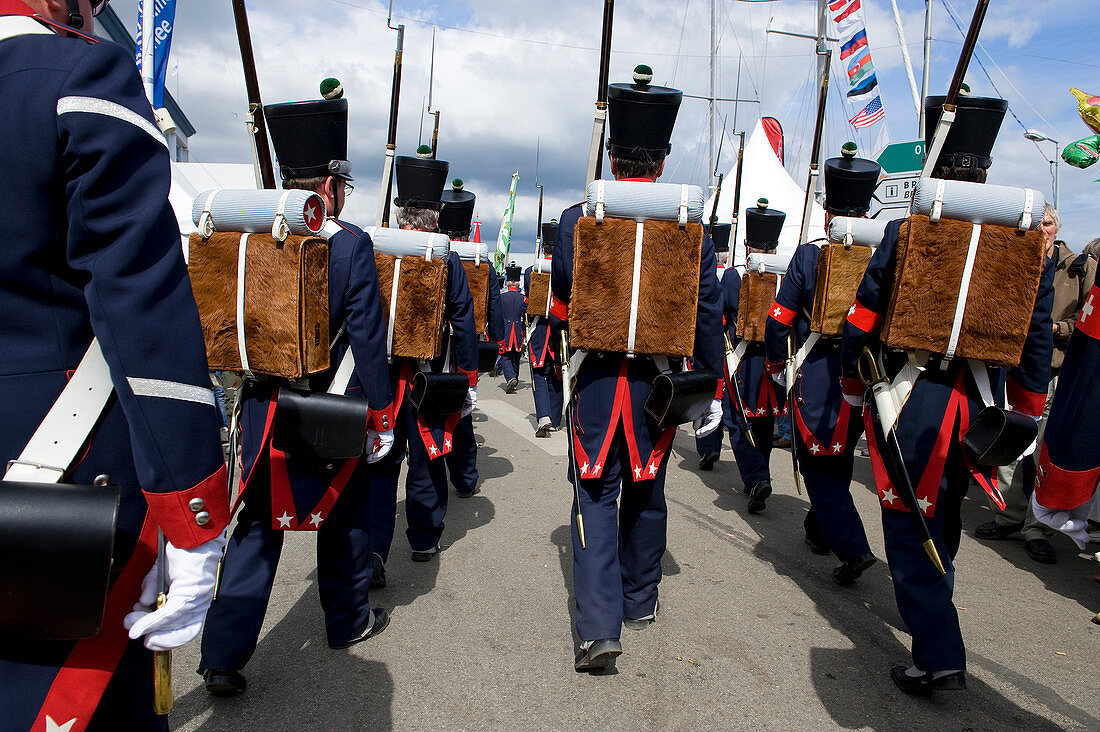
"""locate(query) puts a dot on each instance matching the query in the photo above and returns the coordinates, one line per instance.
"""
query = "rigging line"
(1029, 55)
(740, 48)
(680, 45)
(951, 12)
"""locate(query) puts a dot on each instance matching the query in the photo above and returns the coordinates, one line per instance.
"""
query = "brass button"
(202, 518)
(196, 505)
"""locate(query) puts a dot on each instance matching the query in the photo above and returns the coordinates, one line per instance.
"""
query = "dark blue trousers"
(753, 462)
(828, 481)
(385, 475)
(618, 573)
(462, 459)
(547, 389)
(425, 491)
(344, 567)
(924, 596)
(509, 365)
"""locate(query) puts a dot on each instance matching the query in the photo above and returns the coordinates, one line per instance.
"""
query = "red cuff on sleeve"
(559, 309)
(773, 367)
(852, 386)
(382, 420)
(180, 520)
(721, 385)
(864, 318)
(1028, 402)
(472, 375)
(1060, 489)
(781, 314)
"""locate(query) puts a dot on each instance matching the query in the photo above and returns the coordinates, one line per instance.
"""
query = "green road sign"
(902, 157)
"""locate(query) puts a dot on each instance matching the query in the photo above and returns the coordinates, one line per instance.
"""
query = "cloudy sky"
(512, 76)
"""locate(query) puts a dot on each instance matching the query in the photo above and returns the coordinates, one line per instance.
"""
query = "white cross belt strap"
(635, 284)
(66, 427)
(344, 371)
(242, 252)
(964, 291)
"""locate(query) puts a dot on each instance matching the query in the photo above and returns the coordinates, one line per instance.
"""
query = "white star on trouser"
(924, 503)
(284, 520)
(316, 518)
(52, 726)
(889, 496)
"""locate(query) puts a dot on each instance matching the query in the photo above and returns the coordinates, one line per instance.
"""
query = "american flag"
(869, 115)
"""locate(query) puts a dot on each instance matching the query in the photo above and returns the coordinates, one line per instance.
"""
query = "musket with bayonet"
(433, 112)
(947, 116)
(791, 372)
(382, 216)
(256, 125)
(162, 660)
(736, 200)
(595, 151)
(873, 375)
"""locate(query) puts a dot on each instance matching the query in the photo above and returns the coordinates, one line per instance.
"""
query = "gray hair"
(1053, 214)
(420, 219)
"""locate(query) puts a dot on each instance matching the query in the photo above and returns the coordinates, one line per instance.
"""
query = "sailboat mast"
(823, 60)
(713, 86)
(927, 61)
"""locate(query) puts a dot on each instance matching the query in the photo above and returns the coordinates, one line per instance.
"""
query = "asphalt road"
(753, 634)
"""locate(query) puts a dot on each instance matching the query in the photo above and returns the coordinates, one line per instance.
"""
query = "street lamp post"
(1036, 136)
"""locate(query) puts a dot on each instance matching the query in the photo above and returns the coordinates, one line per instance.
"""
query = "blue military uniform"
(281, 492)
(92, 249)
(514, 306)
(546, 383)
(432, 438)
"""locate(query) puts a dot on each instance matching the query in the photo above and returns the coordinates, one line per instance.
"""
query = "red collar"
(636, 180)
(18, 7)
(513, 288)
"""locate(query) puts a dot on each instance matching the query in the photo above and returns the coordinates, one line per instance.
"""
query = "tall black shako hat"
(311, 137)
(977, 122)
(549, 233)
(420, 180)
(458, 211)
(513, 272)
(763, 225)
(720, 235)
(640, 117)
(850, 182)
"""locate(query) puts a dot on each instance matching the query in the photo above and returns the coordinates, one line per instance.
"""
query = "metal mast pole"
(713, 86)
(927, 62)
(823, 60)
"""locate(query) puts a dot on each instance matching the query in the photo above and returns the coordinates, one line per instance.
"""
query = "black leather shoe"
(426, 555)
(600, 654)
(511, 388)
(643, 623)
(707, 461)
(381, 621)
(224, 681)
(818, 549)
(925, 685)
(758, 495)
(1041, 551)
(468, 494)
(849, 571)
(378, 573)
(994, 530)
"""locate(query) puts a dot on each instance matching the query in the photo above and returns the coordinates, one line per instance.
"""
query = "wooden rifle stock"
(815, 151)
(595, 152)
(252, 88)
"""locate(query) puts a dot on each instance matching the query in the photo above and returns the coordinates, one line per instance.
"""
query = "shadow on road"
(295, 681)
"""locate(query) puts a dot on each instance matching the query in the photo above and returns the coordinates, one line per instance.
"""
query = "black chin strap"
(76, 20)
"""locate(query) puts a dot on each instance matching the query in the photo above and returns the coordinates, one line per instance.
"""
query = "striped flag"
(869, 115)
(859, 40)
(504, 240)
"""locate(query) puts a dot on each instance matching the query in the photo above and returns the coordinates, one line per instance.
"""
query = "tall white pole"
(927, 62)
(917, 101)
(148, 44)
(823, 58)
(713, 87)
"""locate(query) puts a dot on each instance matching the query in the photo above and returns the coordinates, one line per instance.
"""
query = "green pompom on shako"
(964, 90)
(424, 152)
(761, 203)
(848, 149)
(331, 88)
(642, 74)
(456, 184)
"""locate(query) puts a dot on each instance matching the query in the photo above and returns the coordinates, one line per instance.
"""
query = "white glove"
(1034, 443)
(471, 402)
(780, 377)
(191, 574)
(1073, 523)
(380, 444)
(709, 422)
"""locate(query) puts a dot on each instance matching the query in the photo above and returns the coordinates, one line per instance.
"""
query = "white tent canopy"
(191, 179)
(765, 177)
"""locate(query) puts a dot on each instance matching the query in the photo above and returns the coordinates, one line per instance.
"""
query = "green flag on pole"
(504, 239)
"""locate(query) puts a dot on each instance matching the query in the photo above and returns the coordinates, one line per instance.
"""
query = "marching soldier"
(763, 399)
(93, 274)
(620, 456)
(709, 447)
(944, 399)
(514, 304)
(828, 426)
(546, 384)
(454, 220)
(310, 141)
(419, 200)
